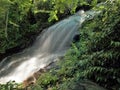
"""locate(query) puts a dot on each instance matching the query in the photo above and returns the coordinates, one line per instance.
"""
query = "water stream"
(51, 44)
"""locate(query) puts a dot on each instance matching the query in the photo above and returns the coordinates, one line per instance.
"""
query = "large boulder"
(81, 85)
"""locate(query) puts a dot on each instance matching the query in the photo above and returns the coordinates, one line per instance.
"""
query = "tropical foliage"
(95, 56)
(20, 19)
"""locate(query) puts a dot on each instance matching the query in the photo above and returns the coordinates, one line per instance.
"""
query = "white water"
(50, 45)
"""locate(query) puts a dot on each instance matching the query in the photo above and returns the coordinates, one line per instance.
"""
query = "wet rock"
(76, 38)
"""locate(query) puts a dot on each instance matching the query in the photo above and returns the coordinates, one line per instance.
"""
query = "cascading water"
(50, 45)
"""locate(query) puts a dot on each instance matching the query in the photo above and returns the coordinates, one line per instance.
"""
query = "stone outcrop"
(82, 85)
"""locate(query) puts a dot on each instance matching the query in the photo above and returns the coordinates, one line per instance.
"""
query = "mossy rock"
(81, 85)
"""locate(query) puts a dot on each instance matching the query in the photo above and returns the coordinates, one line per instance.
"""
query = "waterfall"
(49, 45)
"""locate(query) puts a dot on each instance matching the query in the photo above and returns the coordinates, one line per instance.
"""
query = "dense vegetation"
(20, 19)
(94, 57)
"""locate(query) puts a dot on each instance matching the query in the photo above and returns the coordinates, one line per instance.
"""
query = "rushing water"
(49, 45)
